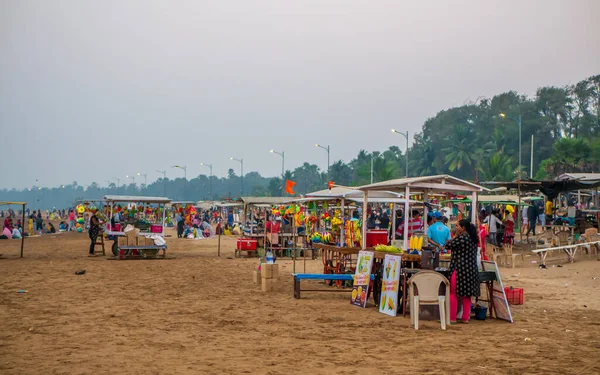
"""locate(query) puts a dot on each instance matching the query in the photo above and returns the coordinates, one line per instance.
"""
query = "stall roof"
(441, 183)
(133, 198)
(346, 192)
(7, 203)
(266, 200)
(228, 204)
(183, 202)
(584, 177)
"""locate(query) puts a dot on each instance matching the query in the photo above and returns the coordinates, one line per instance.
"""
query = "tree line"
(477, 141)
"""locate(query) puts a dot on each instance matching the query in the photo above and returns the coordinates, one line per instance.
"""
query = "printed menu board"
(390, 282)
(362, 278)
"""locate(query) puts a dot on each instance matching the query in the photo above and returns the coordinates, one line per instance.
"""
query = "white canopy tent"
(424, 184)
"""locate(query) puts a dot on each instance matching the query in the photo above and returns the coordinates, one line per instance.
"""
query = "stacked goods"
(388, 249)
(269, 275)
(416, 243)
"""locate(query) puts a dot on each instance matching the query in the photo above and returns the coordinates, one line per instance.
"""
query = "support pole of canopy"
(393, 230)
(342, 231)
(364, 220)
(425, 210)
(474, 209)
(406, 217)
(22, 235)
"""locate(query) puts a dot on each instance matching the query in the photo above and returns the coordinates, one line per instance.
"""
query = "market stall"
(254, 216)
(146, 216)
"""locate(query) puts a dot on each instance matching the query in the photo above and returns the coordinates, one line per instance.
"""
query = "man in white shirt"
(525, 219)
(493, 223)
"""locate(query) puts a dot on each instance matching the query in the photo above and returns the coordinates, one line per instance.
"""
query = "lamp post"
(145, 179)
(241, 161)
(132, 179)
(406, 154)
(164, 173)
(282, 154)
(118, 183)
(184, 168)
(326, 149)
(518, 120)
(209, 178)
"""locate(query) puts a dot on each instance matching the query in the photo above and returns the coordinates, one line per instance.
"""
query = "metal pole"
(406, 155)
(23, 234)
(519, 122)
(531, 169)
(242, 162)
(210, 182)
(328, 175)
(371, 168)
(283, 173)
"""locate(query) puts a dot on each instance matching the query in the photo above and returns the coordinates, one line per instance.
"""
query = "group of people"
(196, 229)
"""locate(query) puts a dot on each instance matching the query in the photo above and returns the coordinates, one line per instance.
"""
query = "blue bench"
(321, 276)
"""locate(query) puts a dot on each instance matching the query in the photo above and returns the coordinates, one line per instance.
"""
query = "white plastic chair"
(428, 285)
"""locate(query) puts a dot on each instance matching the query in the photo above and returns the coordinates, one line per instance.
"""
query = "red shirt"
(271, 227)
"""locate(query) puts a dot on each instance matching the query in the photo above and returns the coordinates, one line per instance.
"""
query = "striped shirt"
(414, 225)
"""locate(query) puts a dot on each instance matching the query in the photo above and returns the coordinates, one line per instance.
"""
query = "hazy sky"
(91, 90)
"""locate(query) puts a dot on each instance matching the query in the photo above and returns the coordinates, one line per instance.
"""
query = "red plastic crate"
(246, 244)
(514, 296)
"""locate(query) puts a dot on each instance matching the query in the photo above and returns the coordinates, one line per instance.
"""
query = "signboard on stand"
(390, 282)
(501, 307)
(362, 278)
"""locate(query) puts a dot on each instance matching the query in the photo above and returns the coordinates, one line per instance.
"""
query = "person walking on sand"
(94, 231)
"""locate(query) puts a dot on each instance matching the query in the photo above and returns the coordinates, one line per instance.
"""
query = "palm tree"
(499, 167)
(461, 152)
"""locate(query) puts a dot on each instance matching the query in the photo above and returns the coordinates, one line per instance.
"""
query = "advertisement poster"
(362, 278)
(390, 282)
(500, 302)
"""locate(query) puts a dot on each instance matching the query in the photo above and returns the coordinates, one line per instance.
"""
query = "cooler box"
(246, 244)
(514, 296)
(377, 237)
(155, 228)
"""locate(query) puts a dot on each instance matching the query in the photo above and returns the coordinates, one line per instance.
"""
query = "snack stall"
(254, 216)
(136, 224)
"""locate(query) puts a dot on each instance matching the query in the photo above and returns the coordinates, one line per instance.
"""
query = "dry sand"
(197, 313)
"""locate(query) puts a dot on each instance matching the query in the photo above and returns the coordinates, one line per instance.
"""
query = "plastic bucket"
(480, 313)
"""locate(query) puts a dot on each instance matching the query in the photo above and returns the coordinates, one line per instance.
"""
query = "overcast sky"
(91, 90)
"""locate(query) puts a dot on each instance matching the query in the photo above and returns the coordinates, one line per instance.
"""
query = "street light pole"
(241, 161)
(209, 178)
(164, 173)
(118, 183)
(326, 149)
(406, 154)
(132, 179)
(282, 154)
(145, 179)
(518, 120)
(184, 177)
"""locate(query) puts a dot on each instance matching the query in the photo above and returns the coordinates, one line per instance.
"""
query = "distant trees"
(471, 142)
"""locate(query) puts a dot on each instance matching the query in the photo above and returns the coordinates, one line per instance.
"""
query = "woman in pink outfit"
(464, 279)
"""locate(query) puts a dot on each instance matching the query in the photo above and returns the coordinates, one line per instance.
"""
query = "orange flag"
(289, 187)
(330, 185)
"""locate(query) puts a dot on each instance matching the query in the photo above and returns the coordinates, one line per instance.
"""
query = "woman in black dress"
(464, 279)
(94, 231)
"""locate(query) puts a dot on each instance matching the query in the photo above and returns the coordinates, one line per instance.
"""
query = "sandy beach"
(198, 313)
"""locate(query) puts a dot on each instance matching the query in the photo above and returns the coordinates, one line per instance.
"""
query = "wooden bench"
(321, 276)
(570, 250)
(122, 250)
